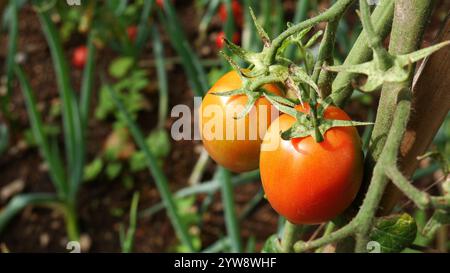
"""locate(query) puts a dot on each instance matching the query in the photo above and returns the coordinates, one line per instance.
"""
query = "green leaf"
(12, 47)
(159, 143)
(251, 245)
(278, 103)
(236, 92)
(297, 130)
(127, 241)
(279, 99)
(19, 202)
(190, 61)
(252, 98)
(262, 33)
(299, 75)
(93, 169)
(394, 233)
(160, 179)
(4, 138)
(72, 122)
(39, 135)
(137, 162)
(105, 105)
(270, 246)
(120, 66)
(87, 83)
(113, 169)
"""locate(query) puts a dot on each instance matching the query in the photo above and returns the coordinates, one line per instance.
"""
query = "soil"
(43, 230)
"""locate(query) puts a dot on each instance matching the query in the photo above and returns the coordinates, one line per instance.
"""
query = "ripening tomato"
(309, 182)
(132, 32)
(236, 39)
(79, 57)
(160, 3)
(234, 143)
(237, 12)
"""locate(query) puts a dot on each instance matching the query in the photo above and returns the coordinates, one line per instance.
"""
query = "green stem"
(328, 230)
(420, 198)
(341, 233)
(329, 15)
(162, 78)
(289, 235)
(323, 77)
(379, 179)
(410, 19)
(361, 52)
(374, 40)
(231, 219)
(318, 137)
(436, 221)
(199, 168)
(71, 222)
(301, 14)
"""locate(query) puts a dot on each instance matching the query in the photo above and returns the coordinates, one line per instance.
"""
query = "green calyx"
(310, 125)
(304, 126)
(270, 66)
(267, 68)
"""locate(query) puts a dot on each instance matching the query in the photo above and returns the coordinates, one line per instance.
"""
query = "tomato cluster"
(307, 182)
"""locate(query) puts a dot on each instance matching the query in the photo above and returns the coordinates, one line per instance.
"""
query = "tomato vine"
(313, 82)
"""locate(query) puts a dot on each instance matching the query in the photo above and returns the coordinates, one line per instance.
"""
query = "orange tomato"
(309, 182)
(236, 151)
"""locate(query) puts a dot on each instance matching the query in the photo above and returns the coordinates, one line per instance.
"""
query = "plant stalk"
(361, 52)
(289, 236)
(71, 222)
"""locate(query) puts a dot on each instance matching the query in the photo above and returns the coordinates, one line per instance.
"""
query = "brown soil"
(43, 230)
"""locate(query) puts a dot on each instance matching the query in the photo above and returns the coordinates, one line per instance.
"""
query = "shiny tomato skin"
(79, 57)
(309, 182)
(236, 154)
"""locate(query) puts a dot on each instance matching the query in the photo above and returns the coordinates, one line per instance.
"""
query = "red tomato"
(309, 182)
(160, 3)
(132, 32)
(79, 57)
(230, 148)
(221, 35)
(237, 12)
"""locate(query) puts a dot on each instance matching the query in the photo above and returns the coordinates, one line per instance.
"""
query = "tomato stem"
(318, 137)
(290, 234)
